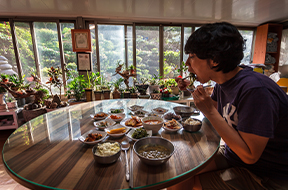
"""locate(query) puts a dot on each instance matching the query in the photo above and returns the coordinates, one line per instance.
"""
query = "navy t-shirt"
(253, 103)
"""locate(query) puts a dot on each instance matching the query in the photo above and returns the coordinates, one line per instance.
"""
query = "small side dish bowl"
(117, 117)
(99, 116)
(172, 126)
(101, 125)
(130, 134)
(184, 111)
(157, 143)
(170, 115)
(135, 108)
(153, 123)
(93, 131)
(107, 156)
(115, 111)
(192, 125)
(159, 110)
(117, 130)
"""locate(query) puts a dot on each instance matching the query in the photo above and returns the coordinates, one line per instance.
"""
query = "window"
(172, 46)
(48, 48)
(69, 55)
(283, 60)
(93, 42)
(248, 36)
(111, 48)
(6, 45)
(187, 34)
(147, 51)
(26, 53)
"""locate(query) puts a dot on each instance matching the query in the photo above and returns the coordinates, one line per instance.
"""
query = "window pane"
(147, 51)
(93, 42)
(48, 48)
(172, 46)
(248, 36)
(6, 45)
(24, 40)
(111, 48)
(187, 34)
(129, 39)
(69, 55)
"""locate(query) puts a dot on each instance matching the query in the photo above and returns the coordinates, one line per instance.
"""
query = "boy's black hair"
(220, 42)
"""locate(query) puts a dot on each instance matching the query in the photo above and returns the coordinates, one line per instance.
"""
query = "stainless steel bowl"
(157, 141)
(192, 128)
(106, 159)
(184, 111)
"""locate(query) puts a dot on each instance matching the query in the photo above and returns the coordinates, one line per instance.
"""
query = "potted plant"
(116, 94)
(76, 88)
(97, 84)
(156, 95)
(165, 92)
(132, 70)
(4, 77)
(143, 86)
(126, 93)
(105, 89)
(133, 93)
(154, 83)
(88, 89)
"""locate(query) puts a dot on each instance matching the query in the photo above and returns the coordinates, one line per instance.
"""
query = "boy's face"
(200, 67)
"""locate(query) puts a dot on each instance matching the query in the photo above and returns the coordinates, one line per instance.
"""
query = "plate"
(83, 137)
(116, 127)
(171, 115)
(129, 135)
(115, 111)
(135, 108)
(159, 110)
(128, 126)
(99, 118)
(173, 130)
(121, 115)
(140, 113)
(108, 121)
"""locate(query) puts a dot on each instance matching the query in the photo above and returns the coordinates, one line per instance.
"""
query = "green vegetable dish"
(139, 133)
(116, 111)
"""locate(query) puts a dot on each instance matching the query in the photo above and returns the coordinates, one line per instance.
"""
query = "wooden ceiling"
(239, 12)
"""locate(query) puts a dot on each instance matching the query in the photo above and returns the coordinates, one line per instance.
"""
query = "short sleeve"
(214, 93)
(258, 112)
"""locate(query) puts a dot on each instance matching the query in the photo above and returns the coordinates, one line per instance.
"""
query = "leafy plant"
(45, 92)
(76, 88)
(2, 89)
(155, 80)
(183, 67)
(132, 90)
(131, 67)
(117, 83)
(18, 82)
(10, 99)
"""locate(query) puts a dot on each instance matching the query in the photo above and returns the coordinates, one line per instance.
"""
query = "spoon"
(125, 146)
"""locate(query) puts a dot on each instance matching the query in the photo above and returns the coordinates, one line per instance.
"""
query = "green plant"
(76, 87)
(183, 67)
(155, 80)
(18, 83)
(131, 67)
(117, 83)
(132, 90)
(88, 80)
(10, 99)
(45, 92)
(2, 90)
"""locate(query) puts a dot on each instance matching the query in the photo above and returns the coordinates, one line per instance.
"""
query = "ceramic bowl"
(83, 137)
(191, 127)
(154, 127)
(106, 159)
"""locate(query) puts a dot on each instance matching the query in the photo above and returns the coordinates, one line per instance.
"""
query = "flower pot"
(88, 92)
(165, 95)
(152, 88)
(126, 94)
(106, 94)
(142, 88)
(98, 95)
(156, 96)
(116, 94)
(133, 95)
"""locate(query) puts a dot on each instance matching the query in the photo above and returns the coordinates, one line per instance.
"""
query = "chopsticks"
(131, 168)
(192, 90)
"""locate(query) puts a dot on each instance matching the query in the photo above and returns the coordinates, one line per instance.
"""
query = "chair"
(283, 83)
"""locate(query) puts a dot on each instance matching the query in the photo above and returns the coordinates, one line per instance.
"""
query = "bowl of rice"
(192, 125)
(106, 152)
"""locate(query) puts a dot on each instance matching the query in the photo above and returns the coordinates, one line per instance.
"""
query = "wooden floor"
(6, 182)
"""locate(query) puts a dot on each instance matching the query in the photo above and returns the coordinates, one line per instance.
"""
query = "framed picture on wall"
(81, 40)
(84, 61)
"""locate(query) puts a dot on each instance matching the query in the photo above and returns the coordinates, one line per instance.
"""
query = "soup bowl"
(106, 159)
(153, 123)
(157, 142)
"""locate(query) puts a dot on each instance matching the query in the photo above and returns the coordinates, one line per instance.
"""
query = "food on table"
(139, 133)
(153, 122)
(134, 122)
(170, 116)
(117, 131)
(191, 121)
(115, 117)
(116, 111)
(192, 79)
(93, 137)
(107, 149)
(160, 110)
(173, 124)
(153, 151)
(103, 124)
(139, 112)
(100, 115)
(152, 114)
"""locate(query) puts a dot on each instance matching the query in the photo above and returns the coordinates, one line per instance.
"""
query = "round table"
(45, 153)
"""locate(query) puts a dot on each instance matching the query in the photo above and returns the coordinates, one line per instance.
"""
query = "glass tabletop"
(46, 152)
